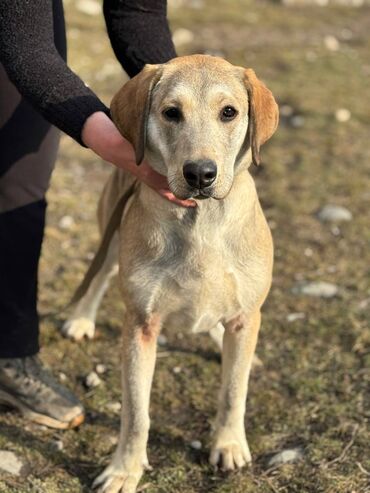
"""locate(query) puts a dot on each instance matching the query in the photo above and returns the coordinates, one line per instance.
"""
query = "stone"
(297, 121)
(100, 368)
(342, 115)
(115, 407)
(334, 213)
(319, 289)
(182, 36)
(196, 445)
(286, 110)
(285, 457)
(331, 43)
(292, 317)
(92, 380)
(10, 463)
(66, 222)
(308, 252)
(63, 377)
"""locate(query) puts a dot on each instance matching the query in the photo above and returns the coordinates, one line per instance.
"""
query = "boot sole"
(35, 417)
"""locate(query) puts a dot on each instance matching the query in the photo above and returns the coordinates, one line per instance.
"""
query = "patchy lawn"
(313, 388)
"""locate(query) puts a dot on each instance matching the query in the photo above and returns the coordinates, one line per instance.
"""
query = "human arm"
(36, 67)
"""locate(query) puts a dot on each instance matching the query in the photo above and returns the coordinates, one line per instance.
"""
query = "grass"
(312, 390)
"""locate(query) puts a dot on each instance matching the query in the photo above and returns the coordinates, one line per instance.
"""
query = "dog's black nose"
(200, 174)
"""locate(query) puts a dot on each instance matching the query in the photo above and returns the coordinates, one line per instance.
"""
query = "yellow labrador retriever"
(200, 121)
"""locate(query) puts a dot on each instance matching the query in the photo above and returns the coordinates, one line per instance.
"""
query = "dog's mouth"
(194, 193)
(202, 194)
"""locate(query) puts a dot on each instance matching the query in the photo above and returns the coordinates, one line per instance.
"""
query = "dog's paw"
(78, 328)
(230, 449)
(113, 481)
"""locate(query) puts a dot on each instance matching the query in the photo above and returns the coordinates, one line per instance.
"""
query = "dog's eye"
(228, 113)
(172, 114)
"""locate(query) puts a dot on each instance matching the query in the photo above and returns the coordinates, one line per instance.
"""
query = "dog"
(200, 121)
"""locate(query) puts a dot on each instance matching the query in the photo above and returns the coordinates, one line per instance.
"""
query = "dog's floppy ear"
(130, 107)
(263, 114)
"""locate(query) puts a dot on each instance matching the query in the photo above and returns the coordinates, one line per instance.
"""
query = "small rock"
(162, 340)
(177, 369)
(62, 377)
(10, 463)
(115, 407)
(89, 7)
(342, 115)
(308, 252)
(297, 121)
(182, 36)
(331, 43)
(58, 445)
(292, 317)
(100, 368)
(196, 445)
(66, 222)
(334, 213)
(285, 456)
(92, 380)
(286, 110)
(318, 289)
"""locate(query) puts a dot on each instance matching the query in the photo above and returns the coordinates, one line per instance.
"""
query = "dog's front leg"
(138, 360)
(230, 447)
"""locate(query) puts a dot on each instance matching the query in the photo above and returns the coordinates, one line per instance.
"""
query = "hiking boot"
(27, 386)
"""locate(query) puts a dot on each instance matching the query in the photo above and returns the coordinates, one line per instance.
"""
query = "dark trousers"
(28, 147)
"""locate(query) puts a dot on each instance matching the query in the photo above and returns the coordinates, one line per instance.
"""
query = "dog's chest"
(199, 281)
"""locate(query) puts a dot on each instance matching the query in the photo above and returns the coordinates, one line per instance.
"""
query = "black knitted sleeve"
(33, 64)
(139, 32)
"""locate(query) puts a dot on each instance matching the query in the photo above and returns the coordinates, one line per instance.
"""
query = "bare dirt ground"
(312, 390)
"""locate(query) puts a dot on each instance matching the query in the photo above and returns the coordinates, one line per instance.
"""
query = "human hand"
(101, 135)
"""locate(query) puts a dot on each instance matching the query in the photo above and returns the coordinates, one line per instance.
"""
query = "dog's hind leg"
(217, 335)
(82, 321)
(230, 447)
(138, 361)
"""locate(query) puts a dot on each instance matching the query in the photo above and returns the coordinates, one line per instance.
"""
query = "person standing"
(39, 97)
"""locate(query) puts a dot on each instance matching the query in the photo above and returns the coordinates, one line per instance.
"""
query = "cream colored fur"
(202, 269)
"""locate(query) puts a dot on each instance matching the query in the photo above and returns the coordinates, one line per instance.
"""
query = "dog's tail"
(98, 260)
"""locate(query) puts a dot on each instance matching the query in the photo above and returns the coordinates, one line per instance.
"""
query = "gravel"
(92, 380)
(334, 213)
(10, 463)
(285, 457)
(196, 445)
(319, 289)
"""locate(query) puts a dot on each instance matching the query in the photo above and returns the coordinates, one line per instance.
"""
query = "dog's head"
(196, 119)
